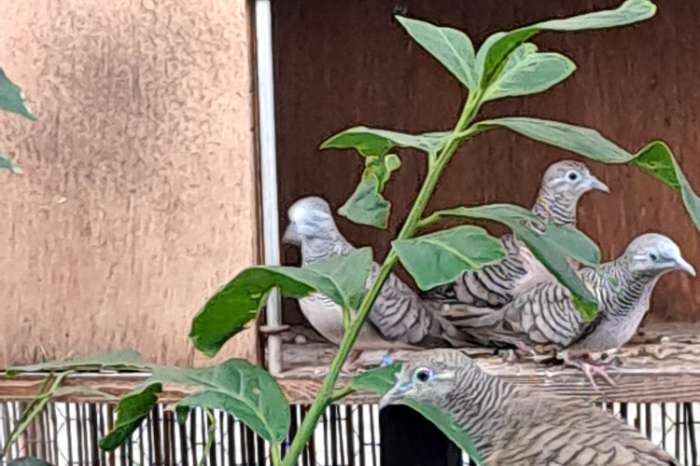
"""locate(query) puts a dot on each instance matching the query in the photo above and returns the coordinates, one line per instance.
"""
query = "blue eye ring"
(423, 374)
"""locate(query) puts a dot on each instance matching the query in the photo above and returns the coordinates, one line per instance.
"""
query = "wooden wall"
(340, 64)
(138, 194)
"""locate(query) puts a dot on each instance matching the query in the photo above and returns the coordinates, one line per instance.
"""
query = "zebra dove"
(494, 285)
(399, 317)
(514, 425)
(546, 314)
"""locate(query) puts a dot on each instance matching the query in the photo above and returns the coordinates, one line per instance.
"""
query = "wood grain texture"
(660, 365)
(138, 198)
(340, 64)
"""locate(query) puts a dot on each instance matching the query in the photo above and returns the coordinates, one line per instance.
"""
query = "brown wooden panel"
(340, 64)
(138, 198)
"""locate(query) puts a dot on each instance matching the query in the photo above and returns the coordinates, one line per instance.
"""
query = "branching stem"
(437, 164)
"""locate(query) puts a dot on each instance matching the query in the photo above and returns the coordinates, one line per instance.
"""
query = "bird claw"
(591, 370)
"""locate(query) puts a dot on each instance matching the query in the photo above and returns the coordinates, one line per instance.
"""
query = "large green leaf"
(12, 98)
(348, 274)
(247, 392)
(380, 380)
(655, 159)
(366, 205)
(238, 302)
(115, 360)
(551, 244)
(9, 165)
(235, 386)
(495, 52)
(528, 71)
(441, 257)
(378, 142)
(451, 47)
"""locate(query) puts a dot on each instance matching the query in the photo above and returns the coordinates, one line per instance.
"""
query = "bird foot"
(590, 371)
(353, 363)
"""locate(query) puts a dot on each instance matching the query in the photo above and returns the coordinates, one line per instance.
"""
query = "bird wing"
(549, 430)
(544, 314)
(495, 285)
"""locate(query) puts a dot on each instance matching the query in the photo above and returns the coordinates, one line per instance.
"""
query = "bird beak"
(596, 184)
(394, 395)
(291, 236)
(685, 266)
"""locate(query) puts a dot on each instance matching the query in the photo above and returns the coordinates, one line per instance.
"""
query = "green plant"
(12, 100)
(506, 65)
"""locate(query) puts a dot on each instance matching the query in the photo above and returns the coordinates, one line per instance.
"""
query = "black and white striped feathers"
(399, 317)
(546, 315)
(493, 286)
(517, 426)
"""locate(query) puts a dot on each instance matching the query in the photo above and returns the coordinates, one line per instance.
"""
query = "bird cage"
(199, 195)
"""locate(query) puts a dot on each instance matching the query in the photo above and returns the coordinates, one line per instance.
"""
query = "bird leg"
(590, 370)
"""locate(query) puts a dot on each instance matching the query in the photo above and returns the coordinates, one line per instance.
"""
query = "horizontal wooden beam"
(662, 364)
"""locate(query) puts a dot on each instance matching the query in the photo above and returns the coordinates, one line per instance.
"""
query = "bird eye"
(423, 375)
(653, 256)
(573, 176)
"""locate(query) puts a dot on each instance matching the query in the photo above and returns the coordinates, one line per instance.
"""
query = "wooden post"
(408, 439)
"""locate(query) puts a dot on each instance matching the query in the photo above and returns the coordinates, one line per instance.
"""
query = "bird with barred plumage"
(546, 313)
(495, 285)
(513, 425)
(399, 317)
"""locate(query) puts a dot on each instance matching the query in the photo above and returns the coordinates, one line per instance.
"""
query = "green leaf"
(378, 142)
(551, 244)
(28, 461)
(9, 165)
(132, 409)
(348, 273)
(248, 392)
(495, 52)
(238, 302)
(115, 360)
(12, 98)
(235, 386)
(451, 47)
(655, 159)
(380, 380)
(442, 257)
(528, 71)
(366, 205)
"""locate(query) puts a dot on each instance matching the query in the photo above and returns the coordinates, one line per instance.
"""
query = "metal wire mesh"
(67, 434)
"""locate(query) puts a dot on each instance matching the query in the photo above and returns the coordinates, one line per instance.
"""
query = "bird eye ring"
(423, 375)
(573, 176)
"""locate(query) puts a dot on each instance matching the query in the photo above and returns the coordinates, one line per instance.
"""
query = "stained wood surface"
(662, 364)
(340, 64)
(138, 195)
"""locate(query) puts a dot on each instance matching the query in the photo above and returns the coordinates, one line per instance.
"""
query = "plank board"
(662, 364)
(138, 198)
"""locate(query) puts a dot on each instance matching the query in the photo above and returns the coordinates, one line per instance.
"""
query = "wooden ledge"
(662, 364)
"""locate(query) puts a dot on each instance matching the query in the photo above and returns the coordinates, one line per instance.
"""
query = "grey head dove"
(399, 317)
(546, 314)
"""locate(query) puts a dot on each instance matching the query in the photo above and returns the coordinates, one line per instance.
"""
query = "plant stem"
(436, 166)
(211, 433)
(275, 454)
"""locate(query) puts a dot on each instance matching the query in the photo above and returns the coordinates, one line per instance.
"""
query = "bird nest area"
(660, 364)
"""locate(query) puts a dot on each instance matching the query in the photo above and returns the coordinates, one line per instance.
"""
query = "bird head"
(429, 378)
(654, 254)
(309, 217)
(571, 179)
